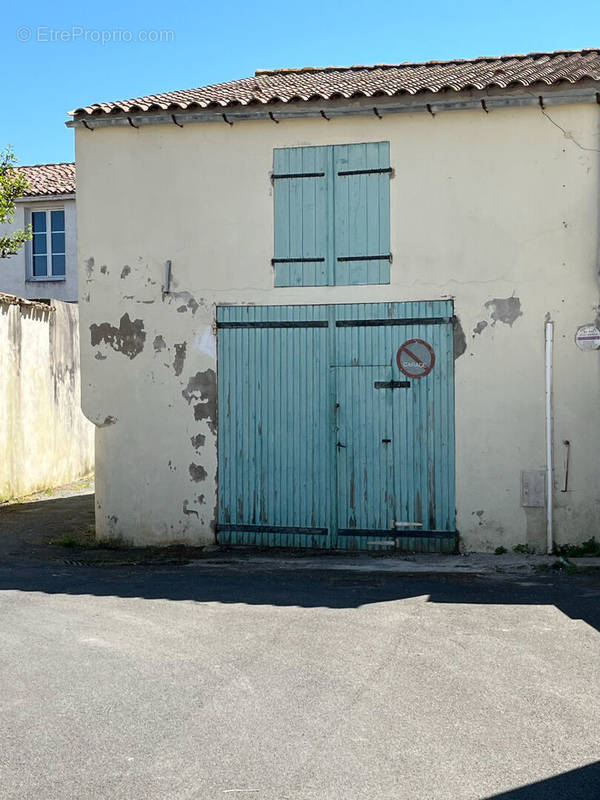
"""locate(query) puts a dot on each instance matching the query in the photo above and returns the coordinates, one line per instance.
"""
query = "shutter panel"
(301, 215)
(362, 213)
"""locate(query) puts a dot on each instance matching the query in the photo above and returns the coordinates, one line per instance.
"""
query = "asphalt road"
(230, 681)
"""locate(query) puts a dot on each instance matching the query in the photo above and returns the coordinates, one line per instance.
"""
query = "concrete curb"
(474, 564)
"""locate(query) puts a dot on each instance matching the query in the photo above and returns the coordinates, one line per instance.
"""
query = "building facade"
(45, 267)
(322, 320)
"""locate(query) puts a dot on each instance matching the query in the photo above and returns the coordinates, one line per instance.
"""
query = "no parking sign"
(415, 358)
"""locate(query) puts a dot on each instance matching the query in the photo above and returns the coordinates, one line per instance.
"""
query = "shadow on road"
(27, 527)
(577, 596)
(577, 784)
(25, 530)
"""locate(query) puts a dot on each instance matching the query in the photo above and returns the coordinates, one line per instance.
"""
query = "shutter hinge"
(295, 260)
(281, 176)
(376, 171)
(386, 257)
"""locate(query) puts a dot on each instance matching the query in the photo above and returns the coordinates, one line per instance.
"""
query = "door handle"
(339, 445)
(386, 441)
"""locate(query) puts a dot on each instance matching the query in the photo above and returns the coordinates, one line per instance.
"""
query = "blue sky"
(54, 59)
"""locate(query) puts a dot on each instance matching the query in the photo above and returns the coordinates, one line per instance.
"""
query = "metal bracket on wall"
(167, 283)
(392, 384)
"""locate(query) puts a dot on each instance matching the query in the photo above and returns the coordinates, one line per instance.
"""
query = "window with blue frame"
(332, 215)
(48, 244)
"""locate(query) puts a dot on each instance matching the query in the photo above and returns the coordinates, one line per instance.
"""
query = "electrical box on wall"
(533, 488)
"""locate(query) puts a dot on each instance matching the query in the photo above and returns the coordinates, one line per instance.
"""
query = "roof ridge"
(476, 60)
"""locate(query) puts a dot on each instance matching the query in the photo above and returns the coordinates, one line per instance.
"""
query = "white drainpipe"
(549, 481)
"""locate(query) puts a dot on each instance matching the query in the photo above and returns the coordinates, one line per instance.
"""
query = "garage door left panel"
(274, 404)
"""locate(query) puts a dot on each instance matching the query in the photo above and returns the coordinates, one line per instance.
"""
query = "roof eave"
(585, 91)
(35, 198)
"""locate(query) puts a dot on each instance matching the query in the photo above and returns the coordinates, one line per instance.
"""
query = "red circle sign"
(415, 358)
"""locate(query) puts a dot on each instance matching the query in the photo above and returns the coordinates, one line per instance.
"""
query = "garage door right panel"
(395, 445)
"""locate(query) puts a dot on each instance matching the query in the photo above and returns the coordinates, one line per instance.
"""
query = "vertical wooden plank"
(281, 216)
(341, 218)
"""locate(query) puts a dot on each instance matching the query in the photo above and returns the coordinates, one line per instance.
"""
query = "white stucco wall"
(45, 440)
(483, 207)
(15, 272)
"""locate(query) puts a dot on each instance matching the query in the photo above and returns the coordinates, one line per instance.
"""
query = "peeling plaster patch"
(206, 343)
(203, 386)
(188, 511)
(100, 357)
(128, 338)
(104, 270)
(478, 514)
(198, 441)
(107, 421)
(480, 326)
(89, 267)
(460, 342)
(505, 309)
(182, 309)
(179, 357)
(201, 499)
(187, 298)
(197, 472)
(158, 344)
(86, 298)
(125, 271)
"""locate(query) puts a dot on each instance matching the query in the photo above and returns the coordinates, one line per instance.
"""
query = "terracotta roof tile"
(330, 83)
(49, 179)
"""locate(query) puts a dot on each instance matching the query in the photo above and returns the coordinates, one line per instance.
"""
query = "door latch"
(339, 445)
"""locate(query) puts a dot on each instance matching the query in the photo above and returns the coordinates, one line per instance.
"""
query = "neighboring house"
(316, 305)
(45, 267)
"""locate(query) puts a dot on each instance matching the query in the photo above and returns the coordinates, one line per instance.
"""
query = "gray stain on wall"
(460, 342)
(480, 326)
(197, 472)
(187, 298)
(188, 511)
(125, 271)
(203, 386)
(198, 441)
(179, 359)
(504, 309)
(128, 338)
(158, 344)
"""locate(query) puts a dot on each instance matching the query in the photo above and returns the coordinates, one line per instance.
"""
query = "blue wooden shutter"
(302, 216)
(362, 213)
